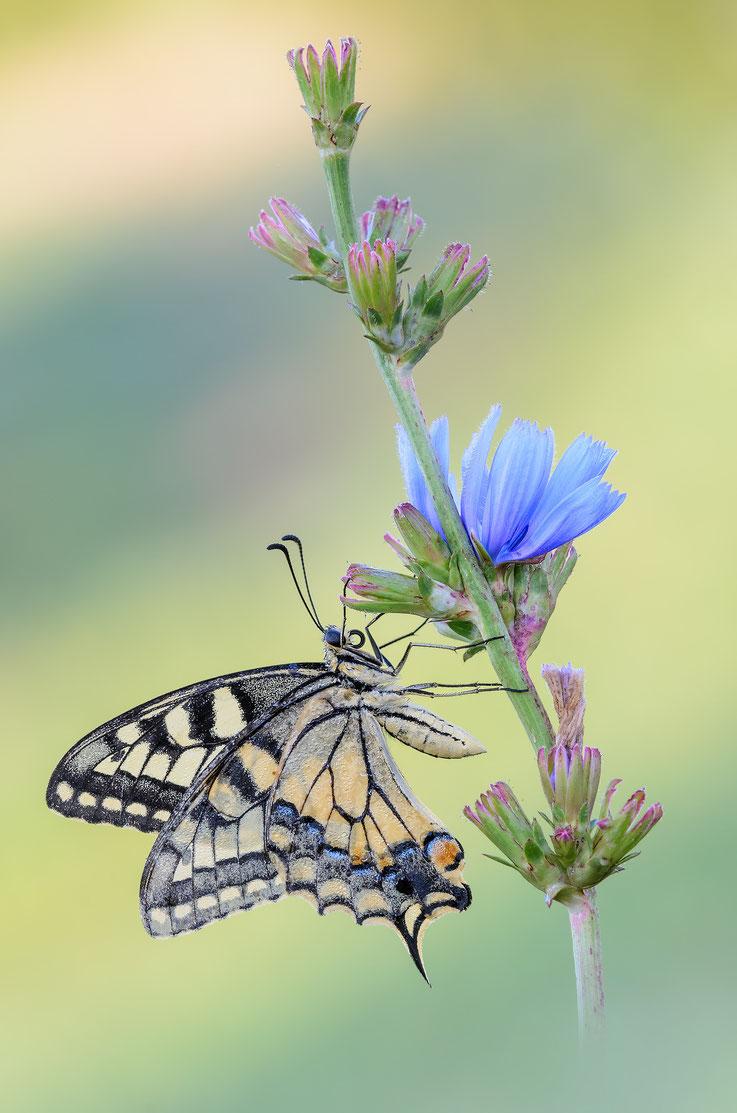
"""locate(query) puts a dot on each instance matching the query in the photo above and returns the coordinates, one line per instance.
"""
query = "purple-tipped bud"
(451, 286)
(615, 837)
(427, 550)
(570, 778)
(581, 852)
(378, 590)
(392, 219)
(328, 87)
(500, 816)
(457, 278)
(289, 236)
(375, 289)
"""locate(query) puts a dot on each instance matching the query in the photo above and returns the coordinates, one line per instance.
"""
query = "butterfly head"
(345, 647)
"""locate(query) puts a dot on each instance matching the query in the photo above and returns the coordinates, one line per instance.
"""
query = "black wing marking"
(210, 859)
(135, 770)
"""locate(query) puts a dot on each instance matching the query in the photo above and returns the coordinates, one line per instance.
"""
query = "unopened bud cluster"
(579, 851)
(408, 329)
(287, 234)
(433, 589)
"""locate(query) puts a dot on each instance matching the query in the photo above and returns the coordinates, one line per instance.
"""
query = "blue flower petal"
(583, 460)
(517, 478)
(515, 507)
(575, 515)
(474, 472)
(414, 481)
(440, 437)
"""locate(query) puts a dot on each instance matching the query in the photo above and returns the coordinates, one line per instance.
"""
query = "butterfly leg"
(438, 645)
(426, 689)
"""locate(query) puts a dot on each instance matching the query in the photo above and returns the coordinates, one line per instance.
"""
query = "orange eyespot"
(445, 854)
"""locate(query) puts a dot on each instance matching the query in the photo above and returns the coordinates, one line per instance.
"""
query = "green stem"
(337, 172)
(583, 910)
(400, 385)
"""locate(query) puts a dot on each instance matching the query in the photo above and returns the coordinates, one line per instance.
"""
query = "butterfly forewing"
(210, 859)
(135, 770)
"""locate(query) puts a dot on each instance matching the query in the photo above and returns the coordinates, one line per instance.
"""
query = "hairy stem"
(583, 910)
(400, 385)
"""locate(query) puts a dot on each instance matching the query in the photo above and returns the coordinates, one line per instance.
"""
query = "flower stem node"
(328, 87)
(581, 852)
(289, 236)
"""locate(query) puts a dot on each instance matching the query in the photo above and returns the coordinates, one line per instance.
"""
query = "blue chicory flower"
(515, 508)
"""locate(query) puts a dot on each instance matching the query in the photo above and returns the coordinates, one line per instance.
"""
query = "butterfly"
(278, 780)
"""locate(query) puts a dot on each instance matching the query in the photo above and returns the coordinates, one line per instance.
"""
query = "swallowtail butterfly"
(273, 781)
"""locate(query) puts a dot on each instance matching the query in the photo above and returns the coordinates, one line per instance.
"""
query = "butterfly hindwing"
(309, 801)
(348, 831)
(135, 770)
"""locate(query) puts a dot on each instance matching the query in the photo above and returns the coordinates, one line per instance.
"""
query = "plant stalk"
(583, 910)
(400, 384)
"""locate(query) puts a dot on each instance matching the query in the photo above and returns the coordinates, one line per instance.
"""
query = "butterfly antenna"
(298, 543)
(283, 549)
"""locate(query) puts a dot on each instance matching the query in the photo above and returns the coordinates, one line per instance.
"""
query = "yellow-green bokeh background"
(171, 404)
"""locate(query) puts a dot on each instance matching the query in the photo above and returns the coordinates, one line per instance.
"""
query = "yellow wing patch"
(347, 831)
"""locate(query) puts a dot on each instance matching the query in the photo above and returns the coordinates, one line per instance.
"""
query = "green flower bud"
(327, 85)
(378, 590)
(451, 286)
(375, 289)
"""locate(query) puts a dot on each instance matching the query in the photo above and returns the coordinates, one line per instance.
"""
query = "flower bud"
(452, 285)
(526, 594)
(289, 236)
(426, 550)
(500, 816)
(381, 591)
(327, 85)
(378, 590)
(375, 289)
(392, 219)
(570, 780)
(616, 837)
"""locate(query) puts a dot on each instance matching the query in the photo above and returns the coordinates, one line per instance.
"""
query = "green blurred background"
(171, 404)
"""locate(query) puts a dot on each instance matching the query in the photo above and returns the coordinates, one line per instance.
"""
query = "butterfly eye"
(332, 636)
(356, 638)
